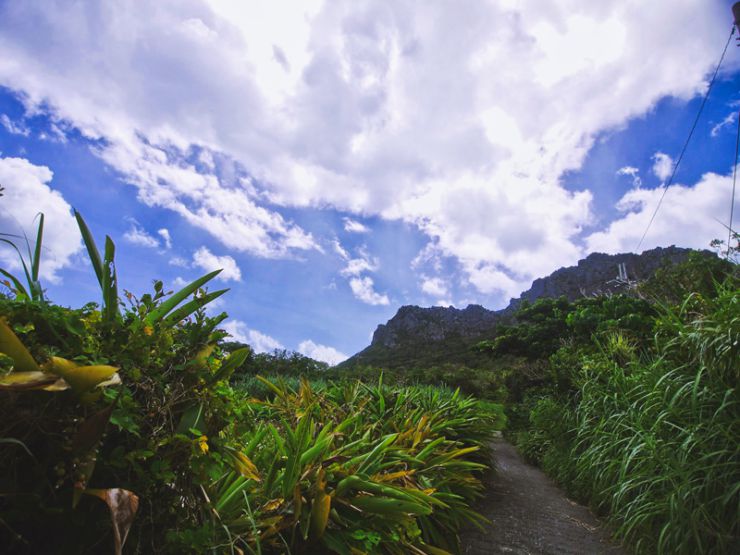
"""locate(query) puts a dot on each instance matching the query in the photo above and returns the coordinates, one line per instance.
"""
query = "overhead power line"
(688, 139)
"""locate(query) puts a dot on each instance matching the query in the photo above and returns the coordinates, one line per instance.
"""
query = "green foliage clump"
(133, 404)
(484, 383)
(637, 412)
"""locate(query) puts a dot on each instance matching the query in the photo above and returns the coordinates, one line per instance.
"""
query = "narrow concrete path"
(530, 515)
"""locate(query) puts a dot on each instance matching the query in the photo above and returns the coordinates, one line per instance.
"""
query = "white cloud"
(180, 282)
(633, 172)
(14, 128)
(321, 352)
(205, 259)
(260, 342)
(428, 113)
(340, 250)
(362, 286)
(725, 123)
(356, 266)
(688, 216)
(436, 287)
(364, 289)
(28, 193)
(353, 226)
(228, 212)
(137, 235)
(662, 166)
(179, 261)
(165, 235)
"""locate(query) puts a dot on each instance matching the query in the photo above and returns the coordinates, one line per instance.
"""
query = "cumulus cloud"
(28, 193)
(369, 108)
(260, 342)
(136, 235)
(690, 216)
(205, 259)
(364, 289)
(321, 352)
(662, 166)
(434, 286)
(353, 226)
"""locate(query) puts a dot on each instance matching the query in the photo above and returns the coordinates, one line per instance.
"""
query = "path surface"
(530, 516)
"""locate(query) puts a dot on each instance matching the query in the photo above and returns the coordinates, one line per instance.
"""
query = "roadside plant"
(33, 290)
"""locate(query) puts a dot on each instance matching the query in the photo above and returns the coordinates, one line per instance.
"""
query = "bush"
(651, 441)
(132, 405)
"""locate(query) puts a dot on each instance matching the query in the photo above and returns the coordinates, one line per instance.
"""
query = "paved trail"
(530, 516)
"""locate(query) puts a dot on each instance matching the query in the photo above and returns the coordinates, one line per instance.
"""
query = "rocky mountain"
(418, 336)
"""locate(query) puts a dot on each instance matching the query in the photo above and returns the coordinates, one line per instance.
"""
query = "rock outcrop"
(419, 336)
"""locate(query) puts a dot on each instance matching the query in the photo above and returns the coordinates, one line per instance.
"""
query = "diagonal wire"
(734, 181)
(688, 139)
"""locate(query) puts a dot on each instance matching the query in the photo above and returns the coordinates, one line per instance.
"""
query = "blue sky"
(346, 158)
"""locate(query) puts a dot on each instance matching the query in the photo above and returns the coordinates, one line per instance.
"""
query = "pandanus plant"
(33, 291)
(55, 374)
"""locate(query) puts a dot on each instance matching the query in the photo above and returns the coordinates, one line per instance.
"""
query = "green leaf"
(92, 250)
(16, 283)
(234, 361)
(36, 259)
(110, 282)
(29, 279)
(162, 310)
(188, 308)
(192, 418)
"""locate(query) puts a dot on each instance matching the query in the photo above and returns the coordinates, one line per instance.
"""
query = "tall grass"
(655, 444)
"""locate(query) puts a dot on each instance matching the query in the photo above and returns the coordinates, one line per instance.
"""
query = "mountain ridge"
(437, 335)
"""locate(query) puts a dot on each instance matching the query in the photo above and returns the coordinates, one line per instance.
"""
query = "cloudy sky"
(339, 159)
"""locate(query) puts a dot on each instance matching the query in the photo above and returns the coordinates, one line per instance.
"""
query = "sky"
(339, 159)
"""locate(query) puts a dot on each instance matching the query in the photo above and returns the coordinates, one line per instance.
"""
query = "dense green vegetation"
(140, 406)
(196, 444)
(631, 403)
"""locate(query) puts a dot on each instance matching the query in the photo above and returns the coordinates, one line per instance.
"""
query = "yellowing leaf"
(320, 509)
(84, 378)
(272, 505)
(123, 505)
(58, 365)
(12, 346)
(19, 381)
(202, 357)
(392, 476)
(244, 465)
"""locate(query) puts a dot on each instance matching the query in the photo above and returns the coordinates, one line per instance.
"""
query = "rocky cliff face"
(599, 273)
(419, 334)
(413, 323)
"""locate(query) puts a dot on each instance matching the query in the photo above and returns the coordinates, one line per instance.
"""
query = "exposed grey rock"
(417, 328)
(434, 324)
(598, 274)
